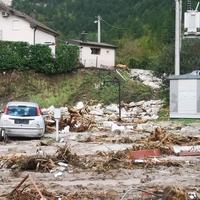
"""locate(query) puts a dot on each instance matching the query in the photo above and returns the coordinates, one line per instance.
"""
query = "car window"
(21, 111)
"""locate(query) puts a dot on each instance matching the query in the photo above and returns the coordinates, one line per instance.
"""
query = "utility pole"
(99, 28)
(180, 25)
(98, 21)
(178, 19)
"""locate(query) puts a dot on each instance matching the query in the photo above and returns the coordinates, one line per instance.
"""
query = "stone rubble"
(146, 77)
(83, 117)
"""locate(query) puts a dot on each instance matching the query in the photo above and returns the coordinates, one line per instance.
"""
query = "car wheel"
(4, 136)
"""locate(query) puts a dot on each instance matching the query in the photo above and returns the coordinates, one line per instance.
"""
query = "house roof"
(33, 23)
(184, 76)
(94, 44)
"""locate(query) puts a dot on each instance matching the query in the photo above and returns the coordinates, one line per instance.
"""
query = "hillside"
(136, 18)
(142, 29)
(59, 90)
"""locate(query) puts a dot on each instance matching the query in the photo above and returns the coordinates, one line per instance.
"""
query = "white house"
(17, 26)
(94, 54)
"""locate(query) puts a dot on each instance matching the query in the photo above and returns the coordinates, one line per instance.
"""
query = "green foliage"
(22, 56)
(59, 90)
(189, 58)
(66, 58)
(13, 55)
(165, 62)
(145, 28)
(135, 17)
(143, 63)
(41, 59)
(190, 55)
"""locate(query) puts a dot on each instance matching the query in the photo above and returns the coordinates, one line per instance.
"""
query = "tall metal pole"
(180, 23)
(120, 106)
(99, 28)
(177, 38)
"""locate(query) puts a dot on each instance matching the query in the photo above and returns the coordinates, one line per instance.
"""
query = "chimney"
(83, 37)
(33, 14)
(7, 2)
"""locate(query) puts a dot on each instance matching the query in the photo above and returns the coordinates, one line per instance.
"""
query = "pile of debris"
(146, 77)
(167, 193)
(74, 119)
(149, 150)
(96, 117)
(65, 160)
(42, 163)
(28, 189)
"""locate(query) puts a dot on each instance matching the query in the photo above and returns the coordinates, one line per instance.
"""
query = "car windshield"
(21, 111)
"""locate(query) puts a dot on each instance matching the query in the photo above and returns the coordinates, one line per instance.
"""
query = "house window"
(16, 25)
(95, 51)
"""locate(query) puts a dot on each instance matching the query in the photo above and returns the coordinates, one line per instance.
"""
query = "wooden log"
(19, 185)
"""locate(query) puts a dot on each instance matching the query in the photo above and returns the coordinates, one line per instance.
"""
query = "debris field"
(98, 157)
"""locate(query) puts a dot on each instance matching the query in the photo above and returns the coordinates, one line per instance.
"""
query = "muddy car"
(22, 119)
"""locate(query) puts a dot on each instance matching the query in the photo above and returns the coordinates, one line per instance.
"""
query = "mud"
(97, 166)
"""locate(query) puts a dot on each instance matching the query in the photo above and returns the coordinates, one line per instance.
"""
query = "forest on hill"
(142, 29)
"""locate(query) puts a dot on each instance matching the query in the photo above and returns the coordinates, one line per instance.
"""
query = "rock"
(62, 164)
(124, 113)
(132, 104)
(139, 121)
(113, 117)
(82, 118)
(65, 130)
(139, 103)
(97, 111)
(146, 77)
(57, 174)
(79, 106)
(111, 108)
(116, 128)
(145, 127)
(108, 124)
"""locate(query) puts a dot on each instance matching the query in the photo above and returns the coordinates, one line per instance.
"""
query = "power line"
(115, 27)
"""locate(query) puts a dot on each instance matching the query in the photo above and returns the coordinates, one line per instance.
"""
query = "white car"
(22, 119)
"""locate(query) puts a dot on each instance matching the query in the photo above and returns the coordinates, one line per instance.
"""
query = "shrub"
(41, 59)
(66, 58)
(14, 55)
(143, 63)
(22, 56)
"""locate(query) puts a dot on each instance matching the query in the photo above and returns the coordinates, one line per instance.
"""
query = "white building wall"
(13, 28)
(105, 58)
(45, 38)
(6, 2)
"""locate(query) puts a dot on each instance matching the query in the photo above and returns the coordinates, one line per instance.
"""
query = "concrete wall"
(105, 58)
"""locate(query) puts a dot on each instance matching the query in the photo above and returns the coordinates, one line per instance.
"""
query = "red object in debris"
(148, 153)
(189, 153)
